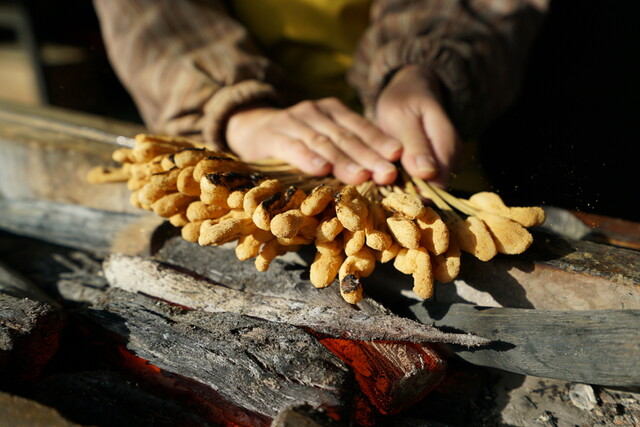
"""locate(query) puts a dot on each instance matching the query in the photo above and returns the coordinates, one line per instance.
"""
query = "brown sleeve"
(186, 63)
(476, 48)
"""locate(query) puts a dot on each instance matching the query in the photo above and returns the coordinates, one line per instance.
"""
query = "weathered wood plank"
(593, 347)
(409, 370)
(554, 274)
(30, 327)
(46, 153)
(76, 226)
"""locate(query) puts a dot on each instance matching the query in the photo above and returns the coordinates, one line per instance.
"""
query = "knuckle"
(305, 106)
(291, 146)
(345, 135)
(287, 116)
(319, 140)
(330, 101)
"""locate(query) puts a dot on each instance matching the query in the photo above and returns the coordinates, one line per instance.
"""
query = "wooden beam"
(30, 327)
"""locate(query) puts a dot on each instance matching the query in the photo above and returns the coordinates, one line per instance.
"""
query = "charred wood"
(260, 366)
(29, 337)
(409, 371)
(305, 416)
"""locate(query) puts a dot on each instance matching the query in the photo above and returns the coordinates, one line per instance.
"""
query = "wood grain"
(141, 275)
(245, 371)
(593, 347)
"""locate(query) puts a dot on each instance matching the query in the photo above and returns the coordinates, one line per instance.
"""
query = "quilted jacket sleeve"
(475, 48)
(187, 64)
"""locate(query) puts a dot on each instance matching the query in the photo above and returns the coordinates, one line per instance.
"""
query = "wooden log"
(260, 366)
(46, 153)
(136, 274)
(380, 369)
(593, 347)
(29, 337)
(557, 274)
(410, 370)
(30, 327)
(74, 226)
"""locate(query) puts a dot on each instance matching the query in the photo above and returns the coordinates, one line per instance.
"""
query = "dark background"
(570, 139)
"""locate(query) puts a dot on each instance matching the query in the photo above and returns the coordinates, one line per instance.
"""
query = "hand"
(410, 111)
(317, 137)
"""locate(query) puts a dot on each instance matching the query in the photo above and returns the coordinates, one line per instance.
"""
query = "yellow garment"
(313, 40)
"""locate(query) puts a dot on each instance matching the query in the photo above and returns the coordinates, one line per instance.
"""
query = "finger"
(296, 153)
(445, 143)
(417, 155)
(344, 167)
(303, 127)
(388, 147)
(344, 148)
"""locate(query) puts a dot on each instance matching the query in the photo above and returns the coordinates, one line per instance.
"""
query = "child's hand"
(409, 110)
(317, 137)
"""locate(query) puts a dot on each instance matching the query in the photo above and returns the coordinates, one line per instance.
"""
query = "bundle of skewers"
(269, 208)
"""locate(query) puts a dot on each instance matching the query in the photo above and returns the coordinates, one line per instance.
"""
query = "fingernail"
(391, 147)
(383, 168)
(425, 163)
(354, 168)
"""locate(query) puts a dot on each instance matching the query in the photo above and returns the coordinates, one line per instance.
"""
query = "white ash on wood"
(136, 274)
